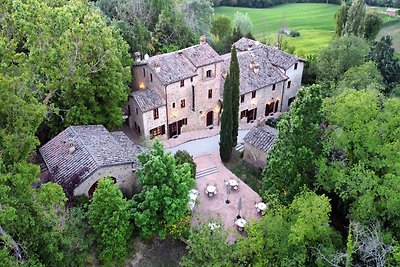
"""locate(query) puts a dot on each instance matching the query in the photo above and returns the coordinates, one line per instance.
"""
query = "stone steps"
(239, 147)
(206, 172)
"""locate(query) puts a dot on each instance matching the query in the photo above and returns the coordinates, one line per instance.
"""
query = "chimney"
(157, 66)
(261, 122)
(138, 56)
(252, 64)
(71, 146)
(203, 39)
(249, 46)
(256, 68)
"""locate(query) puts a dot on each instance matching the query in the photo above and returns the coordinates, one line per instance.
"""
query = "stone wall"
(126, 179)
(295, 77)
(254, 156)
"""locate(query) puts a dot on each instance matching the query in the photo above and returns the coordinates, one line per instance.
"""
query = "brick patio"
(215, 207)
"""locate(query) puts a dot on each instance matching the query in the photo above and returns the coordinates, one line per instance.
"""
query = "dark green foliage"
(360, 163)
(310, 70)
(234, 73)
(182, 156)
(225, 141)
(221, 27)
(294, 33)
(373, 23)
(164, 199)
(267, 3)
(208, 247)
(291, 162)
(108, 216)
(383, 55)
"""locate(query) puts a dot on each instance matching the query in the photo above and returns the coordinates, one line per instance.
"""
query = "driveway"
(205, 145)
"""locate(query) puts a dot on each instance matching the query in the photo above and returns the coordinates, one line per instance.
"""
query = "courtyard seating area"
(224, 197)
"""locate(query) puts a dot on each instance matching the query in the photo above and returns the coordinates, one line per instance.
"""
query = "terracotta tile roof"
(95, 147)
(148, 99)
(262, 137)
(251, 79)
(277, 57)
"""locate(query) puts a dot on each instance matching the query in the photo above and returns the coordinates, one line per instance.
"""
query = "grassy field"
(315, 22)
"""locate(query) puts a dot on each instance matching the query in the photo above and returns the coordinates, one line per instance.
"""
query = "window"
(209, 93)
(208, 73)
(144, 72)
(193, 99)
(243, 114)
(151, 77)
(173, 105)
(157, 131)
(241, 98)
(182, 83)
(289, 83)
(273, 87)
(155, 113)
(253, 94)
(295, 66)
(183, 104)
(138, 129)
(129, 110)
(191, 79)
(137, 111)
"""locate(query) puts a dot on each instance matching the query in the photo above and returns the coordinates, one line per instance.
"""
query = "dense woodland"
(332, 178)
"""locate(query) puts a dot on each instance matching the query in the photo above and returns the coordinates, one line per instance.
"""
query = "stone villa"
(182, 91)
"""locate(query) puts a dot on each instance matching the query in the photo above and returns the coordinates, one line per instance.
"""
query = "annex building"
(182, 91)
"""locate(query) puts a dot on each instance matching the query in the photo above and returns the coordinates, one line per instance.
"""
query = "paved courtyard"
(211, 171)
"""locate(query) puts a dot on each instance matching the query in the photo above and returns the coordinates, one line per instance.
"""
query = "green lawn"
(315, 22)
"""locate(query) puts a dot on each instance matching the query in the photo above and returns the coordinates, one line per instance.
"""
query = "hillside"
(315, 22)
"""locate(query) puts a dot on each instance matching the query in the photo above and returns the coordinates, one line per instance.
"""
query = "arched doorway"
(210, 118)
(94, 187)
(276, 105)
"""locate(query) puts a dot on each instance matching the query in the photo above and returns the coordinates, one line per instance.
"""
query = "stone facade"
(124, 175)
(254, 156)
(190, 82)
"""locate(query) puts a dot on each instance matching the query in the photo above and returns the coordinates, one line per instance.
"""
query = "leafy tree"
(243, 22)
(208, 247)
(356, 19)
(360, 159)
(226, 142)
(383, 55)
(76, 62)
(373, 24)
(291, 162)
(182, 156)
(108, 215)
(289, 236)
(221, 26)
(198, 15)
(363, 77)
(310, 70)
(341, 18)
(163, 200)
(234, 73)
(341, 54)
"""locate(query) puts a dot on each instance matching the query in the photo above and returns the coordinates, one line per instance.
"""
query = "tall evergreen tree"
(341, 18)
(383, 55)
(235, 83)
(355, 19)
(226, 143)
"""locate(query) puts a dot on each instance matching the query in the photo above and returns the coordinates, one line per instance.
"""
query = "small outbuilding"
(78, 157)
(391, 12)
(257, 144)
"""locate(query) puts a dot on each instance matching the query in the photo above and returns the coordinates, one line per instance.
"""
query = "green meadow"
(314, 22)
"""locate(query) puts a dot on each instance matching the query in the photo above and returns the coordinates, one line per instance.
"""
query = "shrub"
(182, 156)
(294, 33)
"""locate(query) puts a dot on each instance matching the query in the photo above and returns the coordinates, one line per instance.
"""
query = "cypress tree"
(225, 143)
(355, 19)
(341, 18)
(234, 73)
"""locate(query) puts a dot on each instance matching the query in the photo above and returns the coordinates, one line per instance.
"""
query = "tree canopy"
(164, 196)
